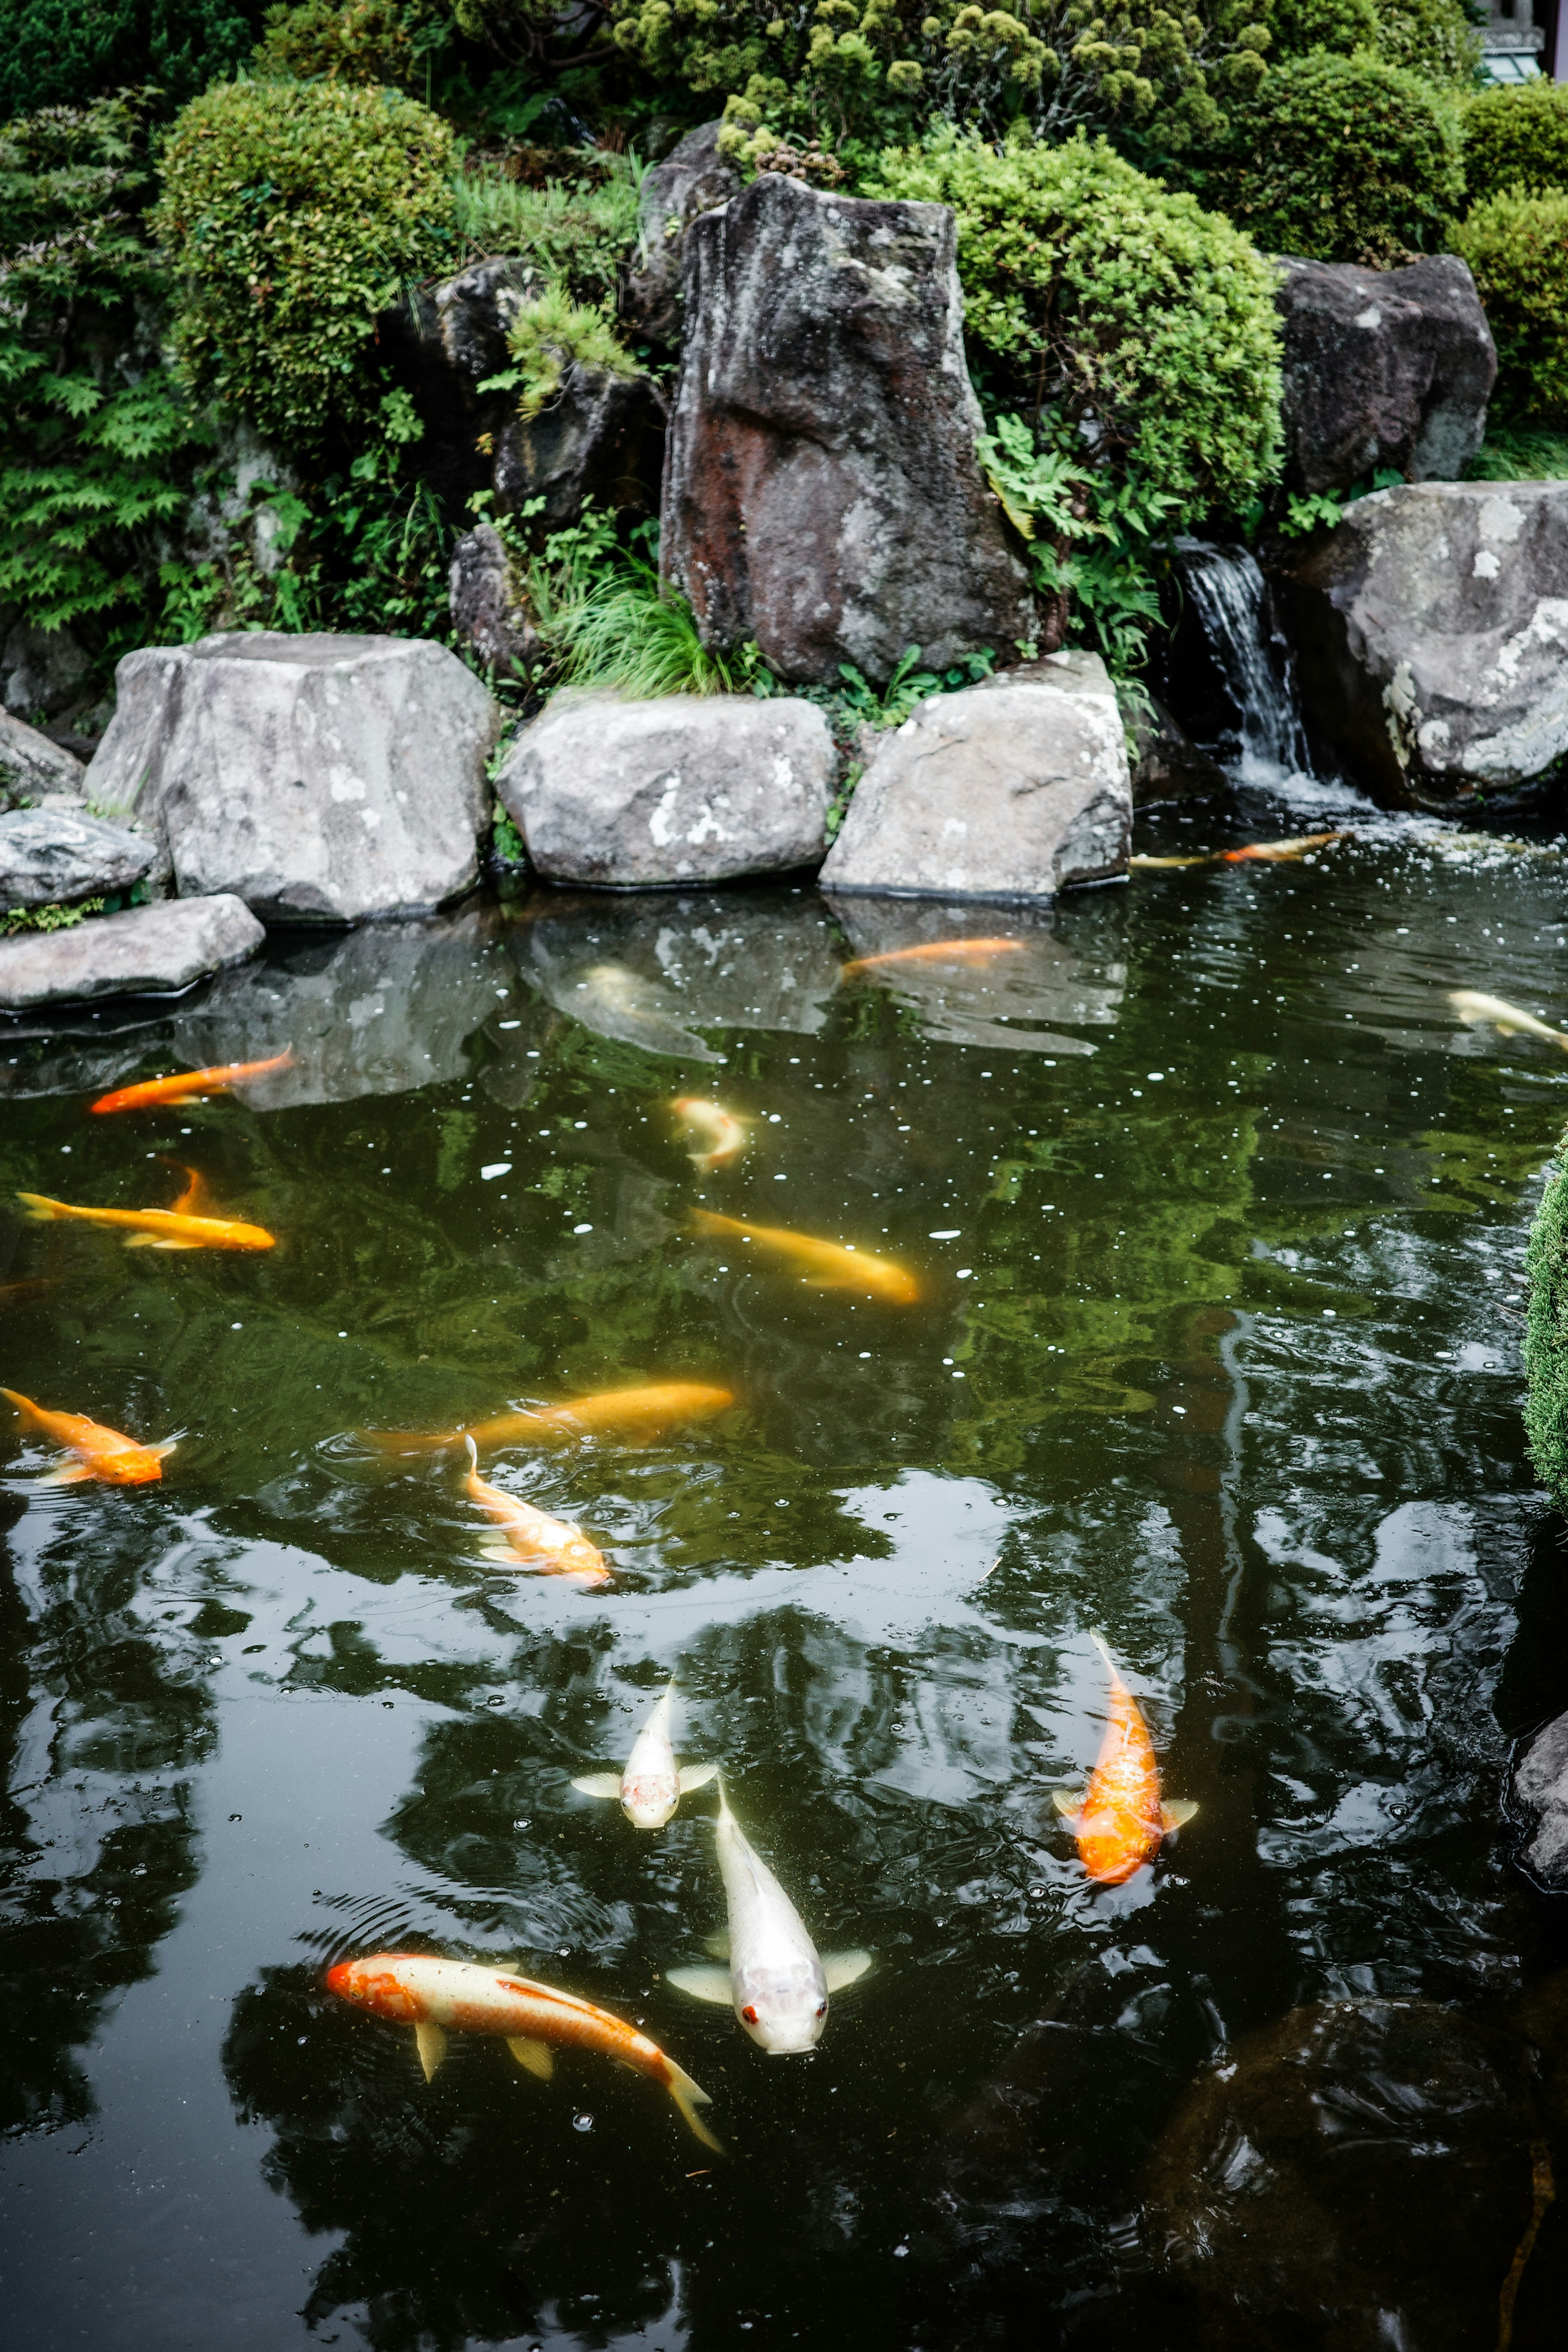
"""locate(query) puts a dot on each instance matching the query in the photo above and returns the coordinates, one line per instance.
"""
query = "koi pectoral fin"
(1177, 1813)
(504, 1557)
(695, 1776)
(718, 1944)
(703, 1984)
(431, 2045)
(842, 1969)
(537, 2056)
(71, 1476)
(1069, 1803)
(597, 1784)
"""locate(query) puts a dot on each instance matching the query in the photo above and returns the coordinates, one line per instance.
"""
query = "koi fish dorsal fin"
(597, 1784)
(431, 2045)
(537, 2056)
(473, 1455)
(703, 1984)
(696, 1776)
(1104, 1646)
(1068, 1803)
(1177, 1813)
(841, 1969)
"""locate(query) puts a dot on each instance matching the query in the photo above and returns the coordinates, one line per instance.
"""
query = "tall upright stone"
(821, 491)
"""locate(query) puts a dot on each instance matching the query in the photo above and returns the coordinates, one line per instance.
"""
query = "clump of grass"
(630, 634)
(1546, 1337)
(1520, 453)
(577, 233)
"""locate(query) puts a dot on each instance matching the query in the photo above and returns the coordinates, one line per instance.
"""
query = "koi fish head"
(650, 1800)
(782, 2010)
(377, 1985)
(129, 1465)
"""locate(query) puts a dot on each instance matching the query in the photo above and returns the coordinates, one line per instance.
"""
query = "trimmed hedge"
(1517, 248)
(68, 52)
(1516, 138)
(292, 212)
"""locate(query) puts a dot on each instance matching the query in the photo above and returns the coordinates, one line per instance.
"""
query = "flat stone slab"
(322, 779)
(687, 788)
(1015, 789)
(30, 765)
(51, 856)
(146, 950)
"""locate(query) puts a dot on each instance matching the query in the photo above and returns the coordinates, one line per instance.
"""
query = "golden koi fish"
(166, 1229)
(640, 1412)
(101, 1454)
(940, 951)
(1510, 1020)
(1252, 852)
(1119, 1822)
(827, 1265)
(533, 1537)
(186, 1086)
(441, 1997)
(717, 1132)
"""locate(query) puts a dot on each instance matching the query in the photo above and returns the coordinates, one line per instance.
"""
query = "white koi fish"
(1509, 1019)
(652, 1784)
(775, 1982)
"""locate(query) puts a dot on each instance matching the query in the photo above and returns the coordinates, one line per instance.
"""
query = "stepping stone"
(146, 950)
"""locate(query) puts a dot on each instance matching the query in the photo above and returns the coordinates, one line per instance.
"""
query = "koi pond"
(1201, 1215)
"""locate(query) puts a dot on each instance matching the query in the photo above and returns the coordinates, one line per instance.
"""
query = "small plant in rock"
(1546, 1336)
(53, 918)
(1517, 247)
(549, 335)
(633, 635)
(1516, 140)
(292, 212)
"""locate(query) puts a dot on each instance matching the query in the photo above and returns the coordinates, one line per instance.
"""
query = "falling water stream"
(1214, 1214)
(1230, 596)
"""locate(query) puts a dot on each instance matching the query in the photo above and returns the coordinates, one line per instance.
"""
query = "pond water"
(1216, 1214)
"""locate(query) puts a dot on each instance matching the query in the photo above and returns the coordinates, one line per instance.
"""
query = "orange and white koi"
(827, 1265)
(186, 1086)
(1120, 1820)
(652, 1785)
(1251, 853)
(1510, 1020)
(531, 1536)
(166, 1229)
(718, 1134)
(938, 951)
(441, 1997)
(101, 1454)
(640, 1412)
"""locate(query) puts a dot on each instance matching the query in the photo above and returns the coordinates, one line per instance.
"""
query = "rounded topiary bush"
(1341, 159)
(1516, 137)
(1093, 291)
(291, 213)
(1517, 248)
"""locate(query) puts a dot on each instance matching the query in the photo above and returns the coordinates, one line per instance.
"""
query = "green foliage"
(908, 688)
(1546, 1339)
(293, 211)
(1300, 27)
(631, 635)
(55, 918)
(1516, 139)
(1434, 38)
(838, 75)
(96, 440)
(548, 336)
(1309, 511)
(1517, 248)
(578, 232)
(366, 41)
(1144, 327)
(1340, 159)
(62, 53)
(1520, 453)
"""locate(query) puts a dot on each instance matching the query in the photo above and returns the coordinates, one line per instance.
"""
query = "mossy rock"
(1546, 1339)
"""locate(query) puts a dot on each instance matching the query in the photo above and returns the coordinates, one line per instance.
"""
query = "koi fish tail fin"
(1177, 1813)
(41, 1209)
(703, 1221)
(689, 2097)
(24, 1405)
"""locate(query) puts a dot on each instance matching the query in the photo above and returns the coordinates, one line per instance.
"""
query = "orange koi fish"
(186, 1086)
(941, 951)
(1252, 852)
(718, 1133)
(441, 1997)
(642, 1412)
(1120, 1820)
(166, 1229)
(829, 1266)
(531, 1535)
(101, 1453)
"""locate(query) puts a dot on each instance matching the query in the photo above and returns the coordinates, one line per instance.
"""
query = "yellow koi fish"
(827, 1265)
(717, 1133)
(1121, 1821)
(939, 951)
(1252, 852)
(641, 1413)
(166, 1229)
(1508, 1019)
(101, 1453)
(531, 1536)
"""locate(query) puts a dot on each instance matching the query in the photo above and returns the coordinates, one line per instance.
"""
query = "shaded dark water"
(1218, 1217)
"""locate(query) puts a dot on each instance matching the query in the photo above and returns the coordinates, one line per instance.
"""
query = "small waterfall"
(1228, 593)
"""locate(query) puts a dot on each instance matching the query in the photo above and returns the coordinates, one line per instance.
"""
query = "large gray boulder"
(1538, 1794)
(146, 950)
(30, 765)
(1015, 788)
(1431, 629)
(51, 856)
(693, 178)
(821, 491)
(688, 788)
(1382, 367)
(321, 779)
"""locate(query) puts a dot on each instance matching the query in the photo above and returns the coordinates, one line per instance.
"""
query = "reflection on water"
(1217, 1218)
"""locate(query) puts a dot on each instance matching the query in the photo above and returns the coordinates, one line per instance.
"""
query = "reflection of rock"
(1357, 2175)
(701, 962)
(966, 1003)
(1540, 1794)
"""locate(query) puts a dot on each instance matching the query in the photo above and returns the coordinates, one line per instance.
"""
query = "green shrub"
(1300, 27)
(1546, 1339)
(549, 335)
(1516, 137)
(1341, 159)
(1434, 38)
(1517, 248)
(367, 41)
(1145, 326)
(292, 212)
(61, 53)
(578, 232)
